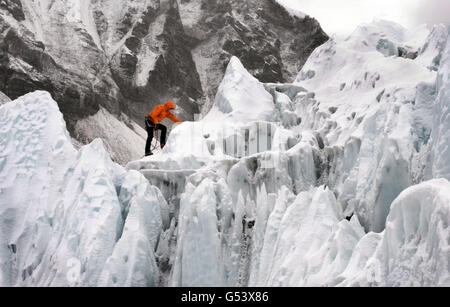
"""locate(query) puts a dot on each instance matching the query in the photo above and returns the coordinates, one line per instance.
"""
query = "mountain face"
(128, 56)
(338, 179)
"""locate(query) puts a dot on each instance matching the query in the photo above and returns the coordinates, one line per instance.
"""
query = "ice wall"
(68, 217)
(440, 157)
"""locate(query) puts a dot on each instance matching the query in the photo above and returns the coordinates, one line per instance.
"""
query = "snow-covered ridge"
(291, 11)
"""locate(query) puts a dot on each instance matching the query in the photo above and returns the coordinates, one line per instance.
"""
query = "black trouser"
(150, 131)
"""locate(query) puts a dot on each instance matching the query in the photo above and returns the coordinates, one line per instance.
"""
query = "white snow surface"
(68, 217)
(340, 179)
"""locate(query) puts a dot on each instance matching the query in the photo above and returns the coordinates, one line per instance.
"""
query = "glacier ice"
(440, 157)
(70, 217)
(241, 97)
(382, 113)
(314, 205)
(413, 250)
(339, 179)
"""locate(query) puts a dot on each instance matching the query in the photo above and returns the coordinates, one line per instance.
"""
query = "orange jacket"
(162, 111)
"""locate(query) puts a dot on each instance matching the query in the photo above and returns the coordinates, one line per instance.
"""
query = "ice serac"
(339, 193)
(312, 245)
(198, 258)
(133, 261)
(66, 215)
(413, 250)
(420, 218)
(241, 97)
(440, 156)
(376, 121)
(213, 181)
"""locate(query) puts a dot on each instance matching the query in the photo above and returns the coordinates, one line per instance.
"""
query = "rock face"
(272, 44)
(44, 51)
(130, 56)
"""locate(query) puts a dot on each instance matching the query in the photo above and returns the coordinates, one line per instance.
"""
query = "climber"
(152, 122)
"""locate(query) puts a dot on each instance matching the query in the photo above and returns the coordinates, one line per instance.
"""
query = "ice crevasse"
(338, 179)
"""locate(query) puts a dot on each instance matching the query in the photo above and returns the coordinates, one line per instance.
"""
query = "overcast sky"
(342, 16)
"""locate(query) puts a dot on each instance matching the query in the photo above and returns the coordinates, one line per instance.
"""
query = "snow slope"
(70, 217)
